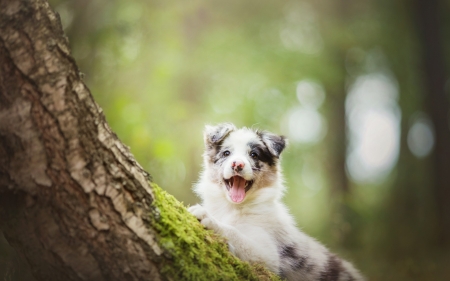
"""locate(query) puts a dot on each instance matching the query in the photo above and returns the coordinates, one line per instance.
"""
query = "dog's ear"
(215, 134)
(274, 143)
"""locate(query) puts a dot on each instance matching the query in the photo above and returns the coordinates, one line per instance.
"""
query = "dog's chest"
(250, 223)
(227, 216)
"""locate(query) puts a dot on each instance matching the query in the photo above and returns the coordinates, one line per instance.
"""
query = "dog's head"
(241, 161)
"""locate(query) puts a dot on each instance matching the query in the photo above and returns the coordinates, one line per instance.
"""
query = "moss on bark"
(194, 252)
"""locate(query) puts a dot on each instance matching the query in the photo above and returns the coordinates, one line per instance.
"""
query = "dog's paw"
(198, 211)
(202, 215)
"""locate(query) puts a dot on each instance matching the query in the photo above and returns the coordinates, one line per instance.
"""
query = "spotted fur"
(259, 229)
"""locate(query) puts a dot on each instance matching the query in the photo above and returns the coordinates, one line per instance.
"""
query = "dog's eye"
(254, 155)
(226, 153)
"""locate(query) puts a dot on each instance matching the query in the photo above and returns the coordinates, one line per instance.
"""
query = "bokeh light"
(421, 135)
(374, 126)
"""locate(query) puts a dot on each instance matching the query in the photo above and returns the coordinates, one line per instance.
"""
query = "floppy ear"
(215, 134)
(274, 143)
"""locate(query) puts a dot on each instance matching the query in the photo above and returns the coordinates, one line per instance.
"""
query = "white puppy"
(241, 188)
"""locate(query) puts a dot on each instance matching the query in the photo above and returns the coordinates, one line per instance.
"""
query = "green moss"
(193, 253)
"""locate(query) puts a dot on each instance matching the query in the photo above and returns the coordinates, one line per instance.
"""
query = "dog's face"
(241, 161)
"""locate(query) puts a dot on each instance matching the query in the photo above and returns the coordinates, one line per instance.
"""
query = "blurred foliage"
(161, 70)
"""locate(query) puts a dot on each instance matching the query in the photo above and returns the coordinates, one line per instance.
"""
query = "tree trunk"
(344, 228)
(73, 200)
(437, 101)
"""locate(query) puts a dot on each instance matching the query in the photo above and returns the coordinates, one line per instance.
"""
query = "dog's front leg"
(207, 220)
(240, 245)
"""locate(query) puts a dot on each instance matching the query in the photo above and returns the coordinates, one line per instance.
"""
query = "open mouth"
(237, 187)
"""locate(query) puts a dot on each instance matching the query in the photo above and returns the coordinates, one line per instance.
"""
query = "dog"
(241, 187)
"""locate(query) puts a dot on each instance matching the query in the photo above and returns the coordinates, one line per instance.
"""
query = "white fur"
(258, 228)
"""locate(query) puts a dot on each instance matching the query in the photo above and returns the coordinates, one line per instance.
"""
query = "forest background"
(360, 88)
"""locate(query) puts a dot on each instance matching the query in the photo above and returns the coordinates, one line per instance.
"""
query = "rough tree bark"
(73, 200)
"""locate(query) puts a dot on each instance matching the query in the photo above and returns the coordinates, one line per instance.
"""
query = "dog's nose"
(238, 165)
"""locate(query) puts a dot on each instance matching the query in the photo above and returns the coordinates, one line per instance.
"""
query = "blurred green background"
(360, 88)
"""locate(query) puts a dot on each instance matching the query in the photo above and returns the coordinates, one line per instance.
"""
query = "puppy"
(241, 188)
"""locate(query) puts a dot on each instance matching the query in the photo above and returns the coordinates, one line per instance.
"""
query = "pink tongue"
(237, 191)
